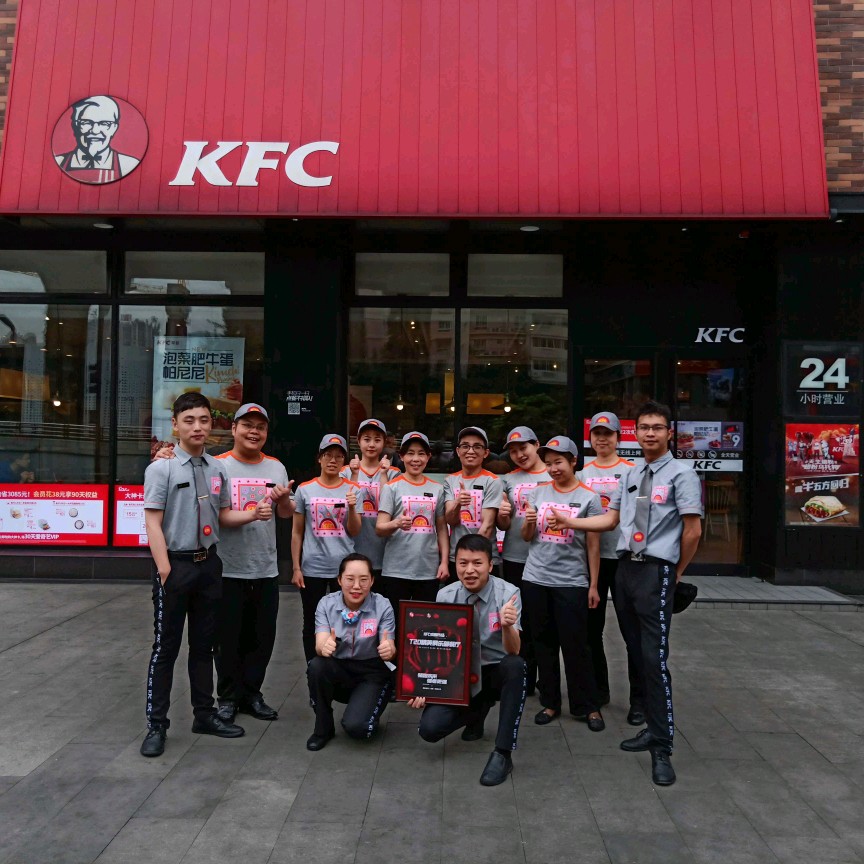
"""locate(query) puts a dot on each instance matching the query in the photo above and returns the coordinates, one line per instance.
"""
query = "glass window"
(165, 351)
(400, 370)
(514, 367)
(39, 272)
(234, 273)
(515, 275)
(55, 405)
(386, 274)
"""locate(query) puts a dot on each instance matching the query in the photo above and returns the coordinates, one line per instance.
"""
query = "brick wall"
(8, 16)
(840, 45)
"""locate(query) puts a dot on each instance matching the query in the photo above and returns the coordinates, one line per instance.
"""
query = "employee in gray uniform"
(185, 500)
(500, 673)
(353, 642)
(659, 507)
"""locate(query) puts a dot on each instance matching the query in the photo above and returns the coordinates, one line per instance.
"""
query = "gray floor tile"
(156, 841)
(656, 847)
(231, 841)
(825, 850)
(330, 842)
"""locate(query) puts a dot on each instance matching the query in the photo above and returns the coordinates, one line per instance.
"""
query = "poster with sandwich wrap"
(210, 365)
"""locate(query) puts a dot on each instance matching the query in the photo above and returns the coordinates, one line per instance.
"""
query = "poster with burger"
(822, 461)
(210, 365)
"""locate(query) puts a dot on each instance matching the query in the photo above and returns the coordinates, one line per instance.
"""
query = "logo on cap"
(602, 419)
(255, 408)
(554, 442)
(638, 536)
(514, 435)
(334, 440)
(371, 423)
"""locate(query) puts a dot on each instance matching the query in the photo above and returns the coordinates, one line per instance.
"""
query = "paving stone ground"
(769, 755)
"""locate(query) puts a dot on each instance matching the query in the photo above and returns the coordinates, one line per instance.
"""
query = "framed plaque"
(434, 652)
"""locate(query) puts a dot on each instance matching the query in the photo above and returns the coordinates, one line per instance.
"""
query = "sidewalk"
(769, 755)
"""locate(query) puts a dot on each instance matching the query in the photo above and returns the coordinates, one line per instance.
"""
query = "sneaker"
(154, 742)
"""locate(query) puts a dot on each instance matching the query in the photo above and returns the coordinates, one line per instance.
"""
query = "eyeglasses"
(477, 448)
(102, 125)
(658, 428)
(362, 581)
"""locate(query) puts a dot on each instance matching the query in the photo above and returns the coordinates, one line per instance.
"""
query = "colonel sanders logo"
(100, 139)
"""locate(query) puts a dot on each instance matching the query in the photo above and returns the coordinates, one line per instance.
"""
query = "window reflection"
(191, 273)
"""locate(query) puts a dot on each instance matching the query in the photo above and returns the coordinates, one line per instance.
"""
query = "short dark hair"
(657, 408)
(188, 401)
(355, 556)
(474, 543)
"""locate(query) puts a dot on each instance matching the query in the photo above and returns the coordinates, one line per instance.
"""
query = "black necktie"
(202, 498)
(476, 659)
(639, 537)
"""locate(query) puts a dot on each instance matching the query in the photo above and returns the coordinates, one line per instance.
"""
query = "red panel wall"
(439, 107)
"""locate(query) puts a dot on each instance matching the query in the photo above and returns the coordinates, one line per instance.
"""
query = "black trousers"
(644, 595)
(502, 682)
(193, 591)
(247, 631)
(310, 596)
(558, 619)
(512, 572)
(395, 589)
(596, 625)
(364, 684)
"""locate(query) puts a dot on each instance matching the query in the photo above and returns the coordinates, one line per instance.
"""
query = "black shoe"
(226, 712)
(541, 718)
(496, 770)
(210, 724)
(259, 709)
(636, 717)
(472, 732)
(595, 724)
(643, 741)
(662, 772)
(319, 742)
(154, 742)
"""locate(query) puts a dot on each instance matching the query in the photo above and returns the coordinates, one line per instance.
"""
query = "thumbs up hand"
(354, 466)
(386, 646)
(553, 519)
(509, 612)
(264, 510)
(384, 464)
(506, 507)
(464, 497)
(328, 649)
(531, 514)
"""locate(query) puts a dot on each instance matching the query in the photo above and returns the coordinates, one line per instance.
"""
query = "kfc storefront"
(438, 215)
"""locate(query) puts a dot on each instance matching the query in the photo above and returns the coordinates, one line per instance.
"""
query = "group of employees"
(366, 535)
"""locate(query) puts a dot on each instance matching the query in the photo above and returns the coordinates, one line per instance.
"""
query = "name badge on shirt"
(428, 495)
(478, 486)
(368, 628)
(631, 489)
(494, 621)
(216, 485)
(183, 485)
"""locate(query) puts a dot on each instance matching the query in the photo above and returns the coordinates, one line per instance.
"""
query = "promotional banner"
(210, 365)
(710, 445)
(627, 446)
(129, 527)
(55, 515)
(822, 463)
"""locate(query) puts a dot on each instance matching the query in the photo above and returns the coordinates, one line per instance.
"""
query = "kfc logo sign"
(99, 139)
(259, 156)
(720, 334)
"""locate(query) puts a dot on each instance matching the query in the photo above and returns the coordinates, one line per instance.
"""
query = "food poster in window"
(822, 463)
(210, 365)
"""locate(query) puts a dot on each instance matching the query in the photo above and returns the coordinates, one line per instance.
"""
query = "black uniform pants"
(364, 684)
(192, 590)
(247, 631)
(395, 589)
(596, 625)
(512, 572)
(644, 595)
(310, 597)
(502, 682)
(558, 619)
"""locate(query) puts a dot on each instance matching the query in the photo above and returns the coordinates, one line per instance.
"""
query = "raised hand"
(277, 492)
(506, 507)
(351, 497)
(386, 646)
(354, 464)
(384, 465)
(552, 519)
(328, 649)
(509, 612)
(264, 510)
(531, 514)
(464, 497)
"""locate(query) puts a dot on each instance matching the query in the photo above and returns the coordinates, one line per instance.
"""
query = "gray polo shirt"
(358, 641)
(413, 554)
(169, 485)
(676, 491)
(325, 540)
(493, 595)
(486, 492)
(249, 552)
(367, 541)
(603, 479)
(559, 558)
(517, 486)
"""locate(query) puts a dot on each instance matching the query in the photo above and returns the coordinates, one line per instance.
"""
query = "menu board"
(710, 445)
(129, 527)
(53, 515)
(822, 464)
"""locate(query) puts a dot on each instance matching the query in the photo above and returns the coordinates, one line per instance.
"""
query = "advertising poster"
(822, 379)
(129, 527)
(55, 515)
(627, 446)
(210, 365)
(710, 445)
(822, 464)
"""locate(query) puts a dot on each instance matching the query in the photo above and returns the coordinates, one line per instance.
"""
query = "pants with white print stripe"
(644, 594)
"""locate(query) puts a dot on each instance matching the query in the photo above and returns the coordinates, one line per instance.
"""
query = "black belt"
(193, 555)
(639, 558)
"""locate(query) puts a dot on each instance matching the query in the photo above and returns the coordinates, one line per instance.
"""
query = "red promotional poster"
(627, 446)
(53, 515)
(129, 527)
(822, 461)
